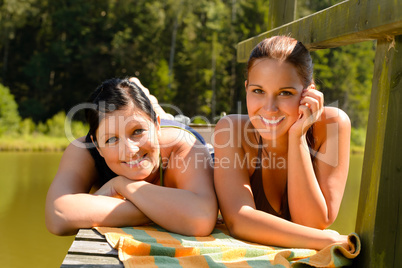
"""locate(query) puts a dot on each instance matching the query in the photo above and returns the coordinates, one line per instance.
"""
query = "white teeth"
(132, 163)
(272, 122)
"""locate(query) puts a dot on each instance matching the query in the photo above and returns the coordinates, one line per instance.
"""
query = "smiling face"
(128, 141)
(273, 97)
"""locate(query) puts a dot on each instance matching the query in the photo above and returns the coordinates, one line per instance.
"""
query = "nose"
(128, 149)
(270, 104)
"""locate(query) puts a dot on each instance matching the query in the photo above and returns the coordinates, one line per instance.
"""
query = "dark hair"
(116, 94)
(286, 49)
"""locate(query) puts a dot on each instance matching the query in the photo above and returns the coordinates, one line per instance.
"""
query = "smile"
(135, 162)
(273, 121)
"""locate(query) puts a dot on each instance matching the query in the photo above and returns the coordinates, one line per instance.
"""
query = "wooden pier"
(90, 249)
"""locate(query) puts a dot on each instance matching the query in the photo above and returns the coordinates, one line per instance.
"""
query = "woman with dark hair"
(281, 170)
(148, 170)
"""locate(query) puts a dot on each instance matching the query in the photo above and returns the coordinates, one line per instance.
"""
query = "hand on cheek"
(310, 109)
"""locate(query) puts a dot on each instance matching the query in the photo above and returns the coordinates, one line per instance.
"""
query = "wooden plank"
(91, 261)
(92, 248)
(379, 219)
(281, 12)
(89, 235)
(342, 24)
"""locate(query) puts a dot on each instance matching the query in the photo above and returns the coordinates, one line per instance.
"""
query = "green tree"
(9, 117)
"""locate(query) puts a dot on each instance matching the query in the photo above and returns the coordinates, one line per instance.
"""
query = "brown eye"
(285, 93)
(138, 131)
(258, 91)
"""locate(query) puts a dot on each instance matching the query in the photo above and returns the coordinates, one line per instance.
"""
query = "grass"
(35, 143)
(43, 143)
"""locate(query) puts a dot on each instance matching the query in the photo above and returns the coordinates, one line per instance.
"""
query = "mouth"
(134, 163)
(272, 122)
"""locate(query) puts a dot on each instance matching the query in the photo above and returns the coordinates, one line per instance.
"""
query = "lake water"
(24, 181)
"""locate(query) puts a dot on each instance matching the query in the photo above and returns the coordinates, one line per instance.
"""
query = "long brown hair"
(287, 49)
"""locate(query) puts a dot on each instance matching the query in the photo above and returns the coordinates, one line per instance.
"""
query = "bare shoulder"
(232, 120)
(333, 115)
(171, 137)
(77, 167)
(234, 134)
(333, 123)
(234, 127)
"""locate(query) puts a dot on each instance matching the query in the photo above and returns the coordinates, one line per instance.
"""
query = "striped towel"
(153, 246)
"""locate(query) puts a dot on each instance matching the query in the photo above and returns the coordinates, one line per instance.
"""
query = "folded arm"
(187, 203)
(69, 206)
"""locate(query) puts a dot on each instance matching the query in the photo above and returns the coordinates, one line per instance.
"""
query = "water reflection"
(25, 242)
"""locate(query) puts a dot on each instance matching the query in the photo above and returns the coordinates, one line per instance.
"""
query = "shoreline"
(43, 143)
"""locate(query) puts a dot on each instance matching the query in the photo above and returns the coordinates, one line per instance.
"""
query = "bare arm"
(315, 190)
(237, 205)
(187, 205)
(69, 206)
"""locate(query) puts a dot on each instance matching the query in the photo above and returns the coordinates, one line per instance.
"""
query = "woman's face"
(128, 141)
(273, 97)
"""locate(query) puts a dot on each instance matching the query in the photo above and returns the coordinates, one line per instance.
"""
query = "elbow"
(59, 227)
(203, 225)
(57, 224)
(233, 226)
(321, 224)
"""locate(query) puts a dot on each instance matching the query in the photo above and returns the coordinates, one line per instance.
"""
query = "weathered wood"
(92, 248)
(91, 261)
(281, 12)
(89, 235)
(342, 24)
(379, 220)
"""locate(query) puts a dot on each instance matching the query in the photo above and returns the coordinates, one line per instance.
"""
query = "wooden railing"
(379, 215)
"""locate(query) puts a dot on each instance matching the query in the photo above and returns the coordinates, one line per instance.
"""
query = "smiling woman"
(133, 156)
(290, 202)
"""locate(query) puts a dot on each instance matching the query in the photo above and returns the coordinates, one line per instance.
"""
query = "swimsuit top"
(260, 198)
(106, 174)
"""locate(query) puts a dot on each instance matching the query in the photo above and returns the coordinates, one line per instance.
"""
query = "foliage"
(9, 117)
(358, 136)
(54, 53)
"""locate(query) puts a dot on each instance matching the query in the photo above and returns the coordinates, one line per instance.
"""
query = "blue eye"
(112, 140)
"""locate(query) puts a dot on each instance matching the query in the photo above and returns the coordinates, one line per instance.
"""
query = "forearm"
(263, 228)
(68, 213)
(307, 203)
(176, 210)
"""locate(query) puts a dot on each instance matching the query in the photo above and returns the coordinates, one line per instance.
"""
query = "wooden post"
(281, 12)
(379, 217)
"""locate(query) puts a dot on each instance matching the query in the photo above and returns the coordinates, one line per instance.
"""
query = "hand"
(108, 189)
(310, 110)
(136, 81)
(154, 101)
(342, 240)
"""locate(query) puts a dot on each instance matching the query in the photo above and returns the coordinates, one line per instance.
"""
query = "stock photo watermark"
(271, 161)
